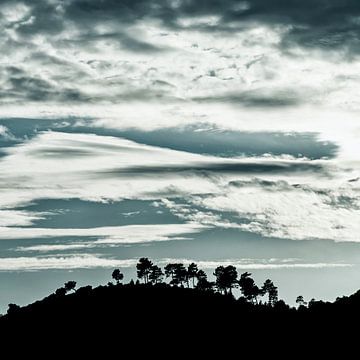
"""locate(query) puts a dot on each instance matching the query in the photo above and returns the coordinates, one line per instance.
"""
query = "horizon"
(220, 132)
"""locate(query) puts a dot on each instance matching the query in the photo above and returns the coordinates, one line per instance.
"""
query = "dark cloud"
(119, 38)
(22, 86)
(279, 167)
(327, 24)
(255, 99)
(84, 25)
(31, 85)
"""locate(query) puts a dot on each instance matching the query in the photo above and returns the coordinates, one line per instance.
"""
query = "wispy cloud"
(89, 261)
(107, 235)
(84, 261)
(275, 195)
(255, 264)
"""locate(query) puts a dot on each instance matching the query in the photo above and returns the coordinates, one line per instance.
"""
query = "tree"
(180, 275)
(226, 278)
(84, 291)
(201, 275)
(170, 270)
(272, 291)
(202, 282)
(143, 269)
(177, 272)
(300, 301)
(192, 271)
(70, 286)
(156, 275)
(60, 292)
(248, 287)
(117, 275)
(13, 309)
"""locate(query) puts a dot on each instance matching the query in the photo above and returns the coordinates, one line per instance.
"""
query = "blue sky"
(224, 132)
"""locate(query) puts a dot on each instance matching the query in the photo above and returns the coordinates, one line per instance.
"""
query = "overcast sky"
(158, 126)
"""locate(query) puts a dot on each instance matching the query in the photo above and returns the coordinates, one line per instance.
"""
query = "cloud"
(78, 52)
(327, 25)
(253, 66)
(247, 167)
(254, 264)
(20, 217)
(56, 247)
(88, 261)
(101, 168)
(129, 234)
(256, 98)
(274, 196)
(5, 134)
(84, 261)
(299, 212)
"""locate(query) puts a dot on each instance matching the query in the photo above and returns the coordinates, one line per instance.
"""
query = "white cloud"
(14, 12)
(88, 261)
(20, 217)
(108, 235)
(293, 212)
(5, 133)
(56, 247)
(60, 166)
(84, 261)
(101, 168)
(253, 264)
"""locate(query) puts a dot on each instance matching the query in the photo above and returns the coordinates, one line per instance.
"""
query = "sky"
(221, 132)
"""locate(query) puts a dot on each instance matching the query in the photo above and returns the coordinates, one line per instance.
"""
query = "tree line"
(226, 279)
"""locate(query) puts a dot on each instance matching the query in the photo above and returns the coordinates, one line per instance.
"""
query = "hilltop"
(154, 310)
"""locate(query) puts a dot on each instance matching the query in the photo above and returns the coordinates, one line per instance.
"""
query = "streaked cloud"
(256, 264)
(90, 261)
(84, 261)
(271, 195)
(107, 235)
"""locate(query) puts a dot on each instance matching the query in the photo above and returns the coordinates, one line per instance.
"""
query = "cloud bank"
(200, 107)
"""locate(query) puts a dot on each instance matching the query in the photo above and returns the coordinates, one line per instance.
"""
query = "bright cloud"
(277, 196)
(90, 261)
(108, 235)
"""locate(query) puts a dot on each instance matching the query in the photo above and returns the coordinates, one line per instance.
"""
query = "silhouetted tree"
(201, 275)
(84, 291)
(143, 269)
(281, 306)
(300, 301)
(12, 309)
(117, 276)
(156, 275)
(192, 271)
(60, 292)
(202, 282)
(180, 275)
(170, 270)
(272, 291)
(226, 278)
(177, 272)
(70, 286)
(248, 287)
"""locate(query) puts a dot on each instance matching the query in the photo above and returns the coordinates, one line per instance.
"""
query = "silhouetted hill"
(151, 315)
(189, 309)
(162, 306)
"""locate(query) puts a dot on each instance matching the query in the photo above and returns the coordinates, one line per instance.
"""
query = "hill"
(154, 313)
